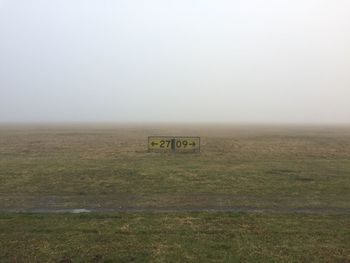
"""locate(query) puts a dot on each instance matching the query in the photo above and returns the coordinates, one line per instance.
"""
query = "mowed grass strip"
(169, 237)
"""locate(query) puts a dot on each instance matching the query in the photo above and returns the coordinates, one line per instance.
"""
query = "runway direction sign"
(160, 143)
(187, 144)
(175, 144)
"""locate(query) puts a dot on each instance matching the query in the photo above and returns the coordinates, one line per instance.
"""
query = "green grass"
(267, 167)
(280, 169)
(169, 237)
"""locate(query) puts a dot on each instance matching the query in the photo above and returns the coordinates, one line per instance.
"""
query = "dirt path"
(179, 210)
(161, 203)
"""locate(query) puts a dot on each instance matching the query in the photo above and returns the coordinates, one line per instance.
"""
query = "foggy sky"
(182, 61)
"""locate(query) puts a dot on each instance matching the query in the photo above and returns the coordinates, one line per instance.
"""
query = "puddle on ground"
(78, 211)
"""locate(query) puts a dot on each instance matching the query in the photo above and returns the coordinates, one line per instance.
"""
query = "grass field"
(298, 177)
(174, 237)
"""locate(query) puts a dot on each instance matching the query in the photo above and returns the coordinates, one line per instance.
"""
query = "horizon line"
(171, 123)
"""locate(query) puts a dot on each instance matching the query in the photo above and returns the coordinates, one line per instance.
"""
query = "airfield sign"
(160, 143)
(180, 144)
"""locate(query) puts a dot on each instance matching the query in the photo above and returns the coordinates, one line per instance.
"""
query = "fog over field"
(273, 61)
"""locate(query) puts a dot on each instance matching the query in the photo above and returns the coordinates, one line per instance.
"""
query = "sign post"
(178, 144)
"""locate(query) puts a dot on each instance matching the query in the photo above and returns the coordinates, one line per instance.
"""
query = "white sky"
(205, 61)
